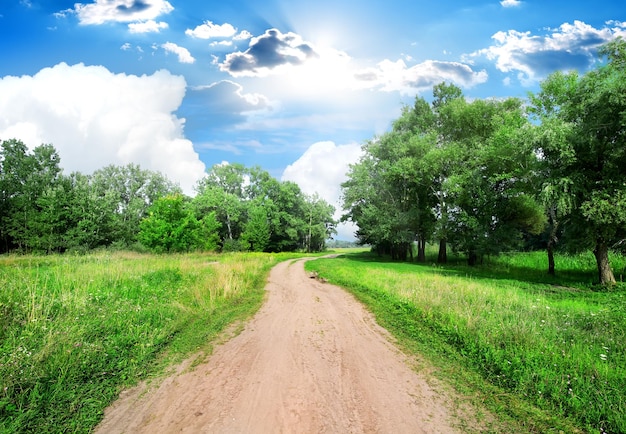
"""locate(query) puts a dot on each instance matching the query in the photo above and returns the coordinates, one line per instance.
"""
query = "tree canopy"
(236, 208)
(489, 175)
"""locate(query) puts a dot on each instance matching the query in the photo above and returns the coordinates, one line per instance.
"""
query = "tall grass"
(75, 329)
(557, 343)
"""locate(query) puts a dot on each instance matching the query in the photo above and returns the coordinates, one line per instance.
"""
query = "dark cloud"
(547, 61)
(268, 51)
(137, 6)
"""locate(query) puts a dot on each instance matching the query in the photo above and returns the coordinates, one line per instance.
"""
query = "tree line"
(485, 176)
(235, 208)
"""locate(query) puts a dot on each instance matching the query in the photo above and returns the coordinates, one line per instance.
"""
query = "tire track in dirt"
(312, 360)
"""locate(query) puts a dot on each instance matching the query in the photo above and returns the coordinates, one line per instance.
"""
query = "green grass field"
(74, 330)
(546, 352)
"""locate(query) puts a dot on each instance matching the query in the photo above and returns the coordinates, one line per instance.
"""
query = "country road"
(312, 360)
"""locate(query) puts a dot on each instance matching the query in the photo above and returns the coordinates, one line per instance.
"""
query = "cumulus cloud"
(184, 56)
(532, 57)
(149, 26)
(397, 76)
(510, 3)
(242, 36)
(124, 11)
(268, 52)
(94, 118)
(221, 44)
(322, 169)
(209, 30)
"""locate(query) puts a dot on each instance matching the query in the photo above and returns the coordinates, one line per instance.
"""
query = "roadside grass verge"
(545, 352)
(75, 330)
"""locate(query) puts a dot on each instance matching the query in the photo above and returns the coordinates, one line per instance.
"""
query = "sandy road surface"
(312, 360)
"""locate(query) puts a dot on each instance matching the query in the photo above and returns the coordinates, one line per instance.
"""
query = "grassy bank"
(75, 330)
(547, 352)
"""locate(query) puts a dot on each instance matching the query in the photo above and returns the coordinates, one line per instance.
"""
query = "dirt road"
(311, 361)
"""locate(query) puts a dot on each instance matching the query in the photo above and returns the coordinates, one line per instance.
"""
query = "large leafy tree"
(171, 226)
(319, 223)
(460, 172)
(256, 234)
(223, 191)
(388, 192)
(132, 191)
(258, 212)
(491, 186)
(24, 177)
(590, 112)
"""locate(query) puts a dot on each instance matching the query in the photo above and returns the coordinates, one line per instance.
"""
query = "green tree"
(492, 184)
(389, 191)
(320, 224)
(591, 112)
(24, 176)
(256, 232)
(133, 190)
(259, 212)
(207, 237)
(223, 191)
(460, 172)
(171, 226)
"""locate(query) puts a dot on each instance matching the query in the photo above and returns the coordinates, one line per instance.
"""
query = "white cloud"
(221, 44)
(510, 3)
(208, 30)
(532, 57)
(397, 76)
(322, 169)
(124, 11)
(149, 26)
(184, 56)
(94, 118)
(242, 36)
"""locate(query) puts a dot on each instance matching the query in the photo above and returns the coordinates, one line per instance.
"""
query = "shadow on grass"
(566, 280)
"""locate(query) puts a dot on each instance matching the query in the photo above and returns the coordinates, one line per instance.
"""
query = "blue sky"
(292, 86)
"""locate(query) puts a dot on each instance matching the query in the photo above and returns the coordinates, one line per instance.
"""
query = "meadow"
(75, 330)
(548, 353)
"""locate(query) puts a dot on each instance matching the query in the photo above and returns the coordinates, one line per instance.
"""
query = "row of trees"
(485, 176)
(236, 208)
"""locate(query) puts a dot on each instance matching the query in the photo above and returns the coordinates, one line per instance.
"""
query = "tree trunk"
(472, 258)
(442, 258)
(601, 252)
(550, 249)
(230, 232)
(552, 241)
(421, 250)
